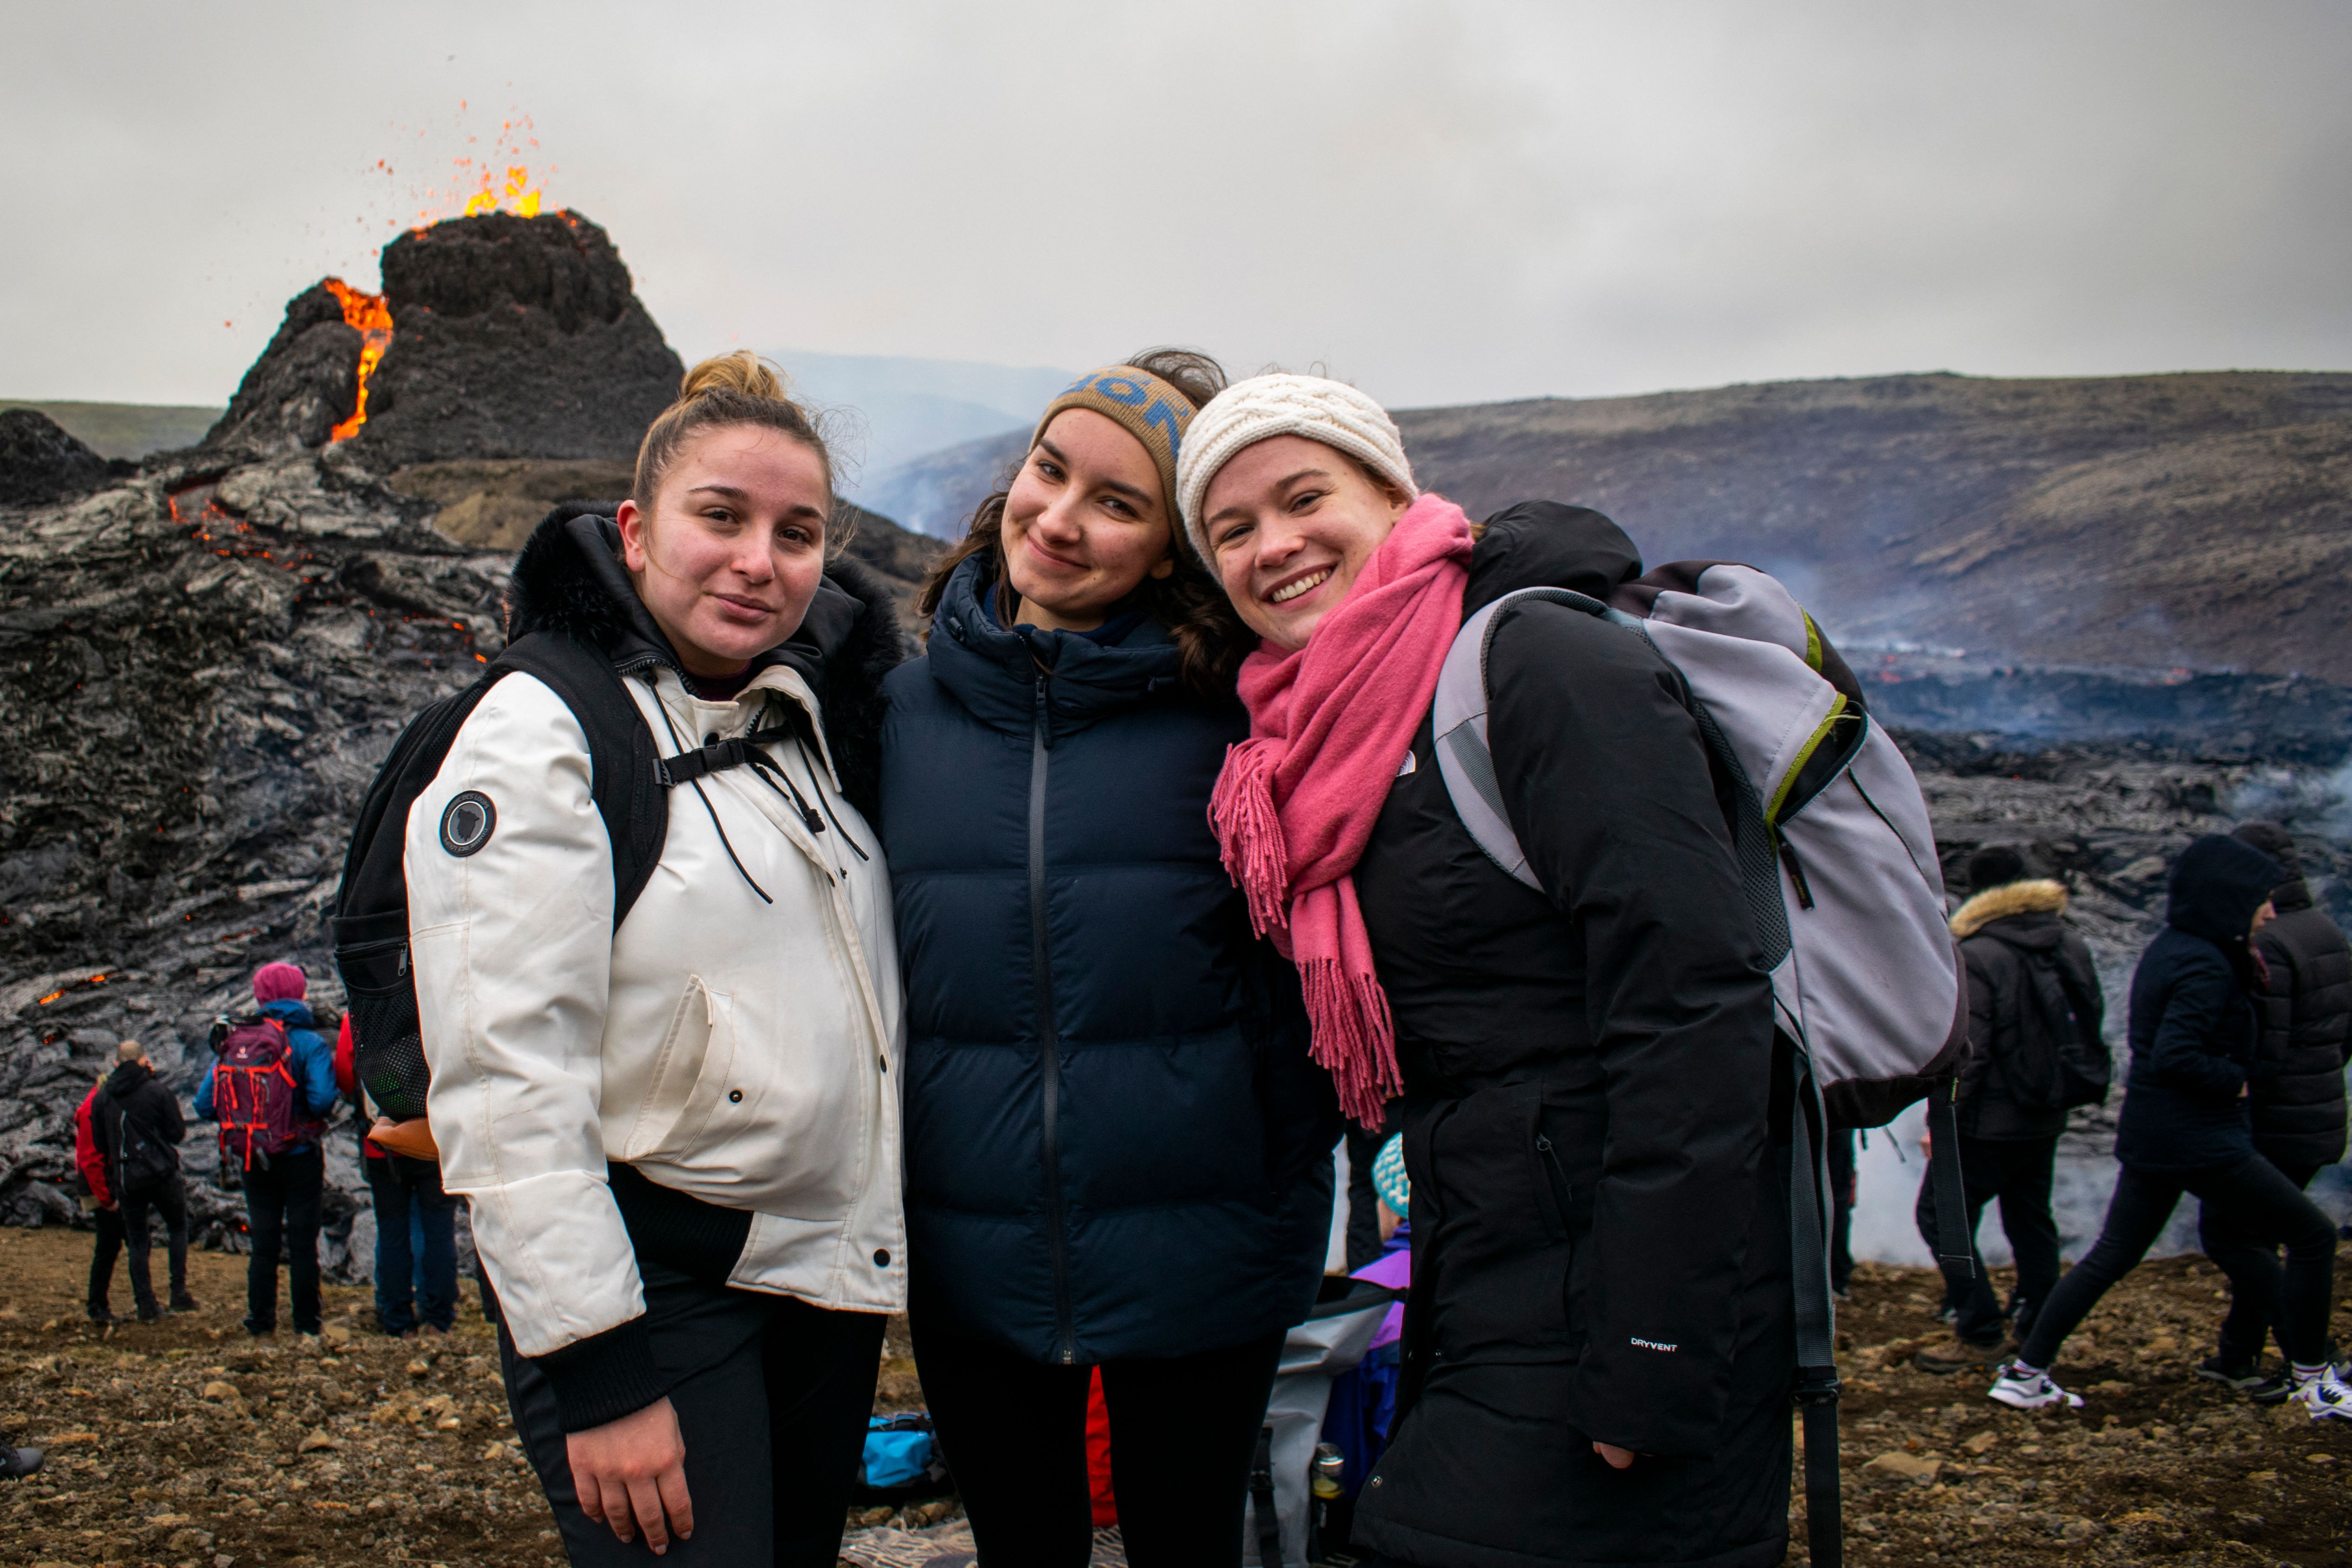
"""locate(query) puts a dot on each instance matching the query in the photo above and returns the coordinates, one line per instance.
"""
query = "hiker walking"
(2295, 1098)
(1599, 1346)
(133, 1128)
(2184, 1129)
(678, 1130)
(1119, 1155)
(272, 1087)
(2033, 997)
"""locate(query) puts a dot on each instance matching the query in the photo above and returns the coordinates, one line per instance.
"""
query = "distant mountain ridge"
(2200, 519)
(893, 410)
(126, 429)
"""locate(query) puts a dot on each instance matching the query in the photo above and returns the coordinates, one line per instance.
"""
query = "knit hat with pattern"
(1148, 408)
(1316, 407)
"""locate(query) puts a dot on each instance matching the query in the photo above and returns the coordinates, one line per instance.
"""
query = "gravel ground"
(184, 1443)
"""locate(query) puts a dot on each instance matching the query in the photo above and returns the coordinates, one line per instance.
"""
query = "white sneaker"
(2323, 1395)
(2031, 1391)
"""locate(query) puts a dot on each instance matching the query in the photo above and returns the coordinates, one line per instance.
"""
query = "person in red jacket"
(90, 1160)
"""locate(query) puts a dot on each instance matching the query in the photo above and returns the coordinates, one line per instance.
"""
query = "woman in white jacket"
(680, 1138)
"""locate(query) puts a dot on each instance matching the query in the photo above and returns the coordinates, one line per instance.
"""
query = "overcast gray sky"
(1440, 202)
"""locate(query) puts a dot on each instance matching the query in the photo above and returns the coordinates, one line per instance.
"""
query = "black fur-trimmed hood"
(568, 578)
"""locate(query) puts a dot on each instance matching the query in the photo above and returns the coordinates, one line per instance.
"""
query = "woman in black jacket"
(2184, 1129)
(1599, 1346)
(1119, 1155)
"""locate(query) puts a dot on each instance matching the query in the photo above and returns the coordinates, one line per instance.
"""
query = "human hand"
(1619, 1459)
(412, 1137)
(631, 1471)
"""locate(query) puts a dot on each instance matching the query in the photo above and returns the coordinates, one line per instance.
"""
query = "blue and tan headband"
(1150, 409)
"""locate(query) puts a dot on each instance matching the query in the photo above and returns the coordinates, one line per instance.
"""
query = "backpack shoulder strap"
(1459, 718)
(624, 767)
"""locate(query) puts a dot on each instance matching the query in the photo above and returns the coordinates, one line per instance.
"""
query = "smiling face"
(1085, 523)
(1290, 523)
(733, 552)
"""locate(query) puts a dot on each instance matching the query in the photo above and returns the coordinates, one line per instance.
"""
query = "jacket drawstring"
(679, 742)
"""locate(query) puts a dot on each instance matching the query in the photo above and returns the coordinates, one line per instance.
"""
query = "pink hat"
(280, 983)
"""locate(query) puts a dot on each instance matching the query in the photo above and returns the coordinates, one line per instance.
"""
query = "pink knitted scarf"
(1329, 727)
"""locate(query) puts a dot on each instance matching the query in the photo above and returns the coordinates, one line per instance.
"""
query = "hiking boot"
(2324, 1394)
(16, 1463)
(1956, 1355)
(2245, 1376)
(100, 1312)
(149, 1312)
(2023, 1390)
(183, 1303)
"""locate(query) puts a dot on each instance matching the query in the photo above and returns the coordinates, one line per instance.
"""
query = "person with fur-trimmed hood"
(679, 1135)
(2020, 953)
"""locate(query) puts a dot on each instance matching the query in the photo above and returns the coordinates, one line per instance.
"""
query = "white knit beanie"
(1246, 412)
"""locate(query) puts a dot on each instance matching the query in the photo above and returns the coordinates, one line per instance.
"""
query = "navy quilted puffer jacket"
(1116, 1144)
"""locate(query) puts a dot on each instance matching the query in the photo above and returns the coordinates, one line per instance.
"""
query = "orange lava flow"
(371, 316)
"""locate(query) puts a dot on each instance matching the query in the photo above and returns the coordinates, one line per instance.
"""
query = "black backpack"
(2059, 1063)
(371, 919)
(140, 1162)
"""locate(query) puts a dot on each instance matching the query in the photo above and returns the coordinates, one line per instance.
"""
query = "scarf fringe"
(1353, 1037)
(1249, 833)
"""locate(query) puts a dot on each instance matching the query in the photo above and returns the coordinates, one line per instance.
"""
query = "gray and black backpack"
(1843, 884)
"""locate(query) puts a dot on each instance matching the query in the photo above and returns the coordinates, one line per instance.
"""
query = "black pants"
(282, 1207)
(170, 1203)
(101, 1258)
(2253, 1194)
(1182, 1432)
(1839, 1157)
(771, 1397)
(2016, 1172)
(2246, 1257)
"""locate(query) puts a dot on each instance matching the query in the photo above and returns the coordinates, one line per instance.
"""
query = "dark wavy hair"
(1209, 635)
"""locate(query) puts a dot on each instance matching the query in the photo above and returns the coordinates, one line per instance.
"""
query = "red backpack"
(255, 1093)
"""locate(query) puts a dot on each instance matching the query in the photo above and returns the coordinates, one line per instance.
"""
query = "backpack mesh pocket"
(387, 1049)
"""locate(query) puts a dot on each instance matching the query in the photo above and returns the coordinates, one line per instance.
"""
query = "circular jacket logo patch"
(465, 824)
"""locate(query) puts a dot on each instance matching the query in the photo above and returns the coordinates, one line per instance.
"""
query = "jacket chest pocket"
(690, 1072)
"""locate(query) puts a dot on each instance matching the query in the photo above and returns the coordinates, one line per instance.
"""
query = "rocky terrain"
(183, 1442)
(2199, 521)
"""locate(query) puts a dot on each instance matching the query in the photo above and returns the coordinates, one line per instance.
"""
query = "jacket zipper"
(1049, 1046)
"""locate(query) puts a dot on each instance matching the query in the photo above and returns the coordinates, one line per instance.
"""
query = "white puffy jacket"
(740, 1051)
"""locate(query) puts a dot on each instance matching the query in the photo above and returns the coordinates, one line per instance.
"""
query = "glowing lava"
(369, 315)
(518, 195)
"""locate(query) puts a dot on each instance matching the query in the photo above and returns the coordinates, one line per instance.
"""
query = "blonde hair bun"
(737, 389)
(742, 372)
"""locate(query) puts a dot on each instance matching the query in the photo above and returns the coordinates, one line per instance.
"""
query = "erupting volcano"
(503, 334)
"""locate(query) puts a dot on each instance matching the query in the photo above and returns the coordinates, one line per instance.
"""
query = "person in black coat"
(138, 1127)
(1119, 1155)
(2184, 1129)
(1598, 1349)
(2295, 1096)
(2029, 975)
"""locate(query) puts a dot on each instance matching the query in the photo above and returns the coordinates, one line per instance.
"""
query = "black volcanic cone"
(304, 384)
(42, 461)
(511, 337)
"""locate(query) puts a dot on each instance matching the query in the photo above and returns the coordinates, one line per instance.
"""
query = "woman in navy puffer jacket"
(1119, 1155)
